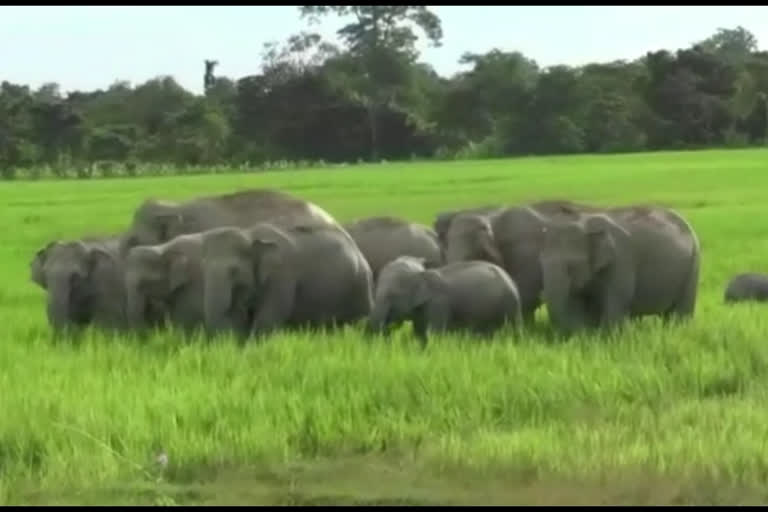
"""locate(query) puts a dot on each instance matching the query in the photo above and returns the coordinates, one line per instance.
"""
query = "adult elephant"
(443, 220)
(269, 276)
(156, 222)
(626, 262)
(384, 239)
(510, 237)
(164, 283)
(83, 282)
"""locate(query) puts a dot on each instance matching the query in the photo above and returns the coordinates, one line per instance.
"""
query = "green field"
(651, 415)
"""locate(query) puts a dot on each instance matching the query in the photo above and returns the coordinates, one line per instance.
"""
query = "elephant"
(510, 237)
(624, 263)
(476, 296)
(748, 286)
(83, 281)
(383, 239)
(443, 219)
(269, 276)
(164, 282)
(156, 222)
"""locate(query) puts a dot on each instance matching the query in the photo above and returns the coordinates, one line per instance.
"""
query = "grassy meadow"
(657, 415)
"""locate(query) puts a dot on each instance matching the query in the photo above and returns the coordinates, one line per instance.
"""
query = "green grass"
(652, 415)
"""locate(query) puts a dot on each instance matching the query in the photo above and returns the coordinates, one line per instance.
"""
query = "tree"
(737, 43)
(495, 92)
(377, 69)
(17, 145)
(556, 116)
(613, 121)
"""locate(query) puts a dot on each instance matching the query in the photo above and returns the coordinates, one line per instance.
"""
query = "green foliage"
(373, 99)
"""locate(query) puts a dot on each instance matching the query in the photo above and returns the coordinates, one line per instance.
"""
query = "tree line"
(371, 98)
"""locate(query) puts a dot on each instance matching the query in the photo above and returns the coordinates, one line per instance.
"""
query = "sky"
(91, 47)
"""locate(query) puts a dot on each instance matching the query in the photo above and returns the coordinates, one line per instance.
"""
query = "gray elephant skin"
(443, 219)
(626, 262)
(83, 283)
(164, 283)
(269, 276)
(156, 222)
(511, 237)
(748, 286)
(474, 296)
(384, 239)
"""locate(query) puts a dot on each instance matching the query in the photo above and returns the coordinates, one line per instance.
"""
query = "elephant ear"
(127, 242)
(602, 247)
(97, 257)
(428, 284)
(164, 216)
(442, 223)
(261, 248)
(38, 262)
(489, 246)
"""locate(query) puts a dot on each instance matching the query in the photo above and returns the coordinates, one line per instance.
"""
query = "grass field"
(652, 415)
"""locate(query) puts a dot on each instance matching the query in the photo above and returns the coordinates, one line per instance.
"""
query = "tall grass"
(306, 417)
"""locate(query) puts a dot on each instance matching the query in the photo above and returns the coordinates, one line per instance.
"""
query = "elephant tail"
(686, 302)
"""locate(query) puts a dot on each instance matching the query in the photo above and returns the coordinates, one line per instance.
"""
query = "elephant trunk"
(59, 302)
(136, 307)
(563, 310)
(109, 300)
(217, 300)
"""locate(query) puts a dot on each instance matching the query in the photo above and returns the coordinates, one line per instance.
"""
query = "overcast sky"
(91, 47)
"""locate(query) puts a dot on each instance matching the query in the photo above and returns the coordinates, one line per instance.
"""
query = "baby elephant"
(468, 295)
(749, 286)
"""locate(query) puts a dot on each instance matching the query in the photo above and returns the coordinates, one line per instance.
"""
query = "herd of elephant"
(257, 260)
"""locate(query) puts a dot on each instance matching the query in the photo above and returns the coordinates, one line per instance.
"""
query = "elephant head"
(155, 222)
(443, 220)
(470, 237)
(235, 268)
(70, 272)
(576, 258)
(152, 276)
(404, 285)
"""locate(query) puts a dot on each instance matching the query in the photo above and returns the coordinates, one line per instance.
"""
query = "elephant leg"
(275, 308)
(613, 311)
(528, 316)
(420, 326)
(437, 315)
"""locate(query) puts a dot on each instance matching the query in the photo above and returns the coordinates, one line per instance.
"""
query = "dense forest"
(371, 98)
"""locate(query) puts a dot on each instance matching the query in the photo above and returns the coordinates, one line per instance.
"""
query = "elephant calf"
(469, 295)
(749, 286)
(384, 239)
